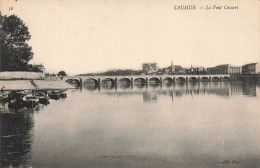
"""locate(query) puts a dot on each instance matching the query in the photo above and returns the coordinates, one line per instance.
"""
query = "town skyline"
(89, 36)
(161, 68)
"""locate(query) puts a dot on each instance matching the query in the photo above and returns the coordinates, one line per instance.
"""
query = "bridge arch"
(139, 80)
(204, 79)
(124, 81)
(193, 79)
(73, 82)
(167, 79)
(215, 79)
(90, 81)
(154, 80)
(108, 81)
(180, 79)
(226, 79)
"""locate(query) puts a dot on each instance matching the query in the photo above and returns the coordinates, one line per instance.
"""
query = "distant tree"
(119, 72)
(62, 73)
(15, 53)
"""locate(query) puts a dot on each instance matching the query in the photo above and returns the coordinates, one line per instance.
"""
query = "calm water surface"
(170, 125)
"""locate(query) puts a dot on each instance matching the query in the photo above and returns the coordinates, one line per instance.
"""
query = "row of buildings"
(152, 68)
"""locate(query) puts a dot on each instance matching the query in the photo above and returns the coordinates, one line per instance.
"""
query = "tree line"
(113, 72)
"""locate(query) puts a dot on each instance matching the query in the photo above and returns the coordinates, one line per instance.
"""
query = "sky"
(82, 36)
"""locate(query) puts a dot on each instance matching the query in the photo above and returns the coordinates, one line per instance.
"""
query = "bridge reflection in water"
(150, 91)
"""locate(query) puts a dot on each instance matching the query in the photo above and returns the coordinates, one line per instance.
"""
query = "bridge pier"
(115, 82)
(132, 81)
(80, 83)
(115, 86)
(99, 81)
(144, 78)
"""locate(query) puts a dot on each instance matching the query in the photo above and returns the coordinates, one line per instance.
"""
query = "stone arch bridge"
(135, 79)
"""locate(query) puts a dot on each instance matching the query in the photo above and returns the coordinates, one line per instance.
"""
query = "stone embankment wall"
(37, 84)
(21, 75)
(236, 77)
(251, 77)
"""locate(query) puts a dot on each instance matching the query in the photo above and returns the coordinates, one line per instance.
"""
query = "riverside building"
(224, 69)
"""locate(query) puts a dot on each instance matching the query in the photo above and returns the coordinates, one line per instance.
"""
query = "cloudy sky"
(81, 36)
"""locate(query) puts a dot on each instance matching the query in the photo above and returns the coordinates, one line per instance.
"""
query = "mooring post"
(146, 80)
(161, 80)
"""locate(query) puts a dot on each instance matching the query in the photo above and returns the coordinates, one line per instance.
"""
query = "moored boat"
(30, 101)
(63, 94)
(4, 98)
(43, 97)
(54, 95)
(44, 100)
(15, 104)
(57, 94)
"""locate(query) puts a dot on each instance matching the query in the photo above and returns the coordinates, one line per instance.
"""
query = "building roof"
(249, 64)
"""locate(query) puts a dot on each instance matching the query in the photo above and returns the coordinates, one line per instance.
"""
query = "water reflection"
(223, 89)
(167, 84)
(108, 86)
(149, 96)
(16, 139)
(124, 86)
(249, 89)
(163, 125)
(154, 85)
(140, 86)
(91, 87)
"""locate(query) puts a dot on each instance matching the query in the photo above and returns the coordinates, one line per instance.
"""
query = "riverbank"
(34, 84)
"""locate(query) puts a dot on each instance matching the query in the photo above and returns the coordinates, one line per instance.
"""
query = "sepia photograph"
(130, 83)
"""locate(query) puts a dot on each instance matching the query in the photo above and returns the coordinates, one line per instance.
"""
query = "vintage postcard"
(130, 83)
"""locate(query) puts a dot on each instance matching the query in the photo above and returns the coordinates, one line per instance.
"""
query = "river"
(183, 125)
